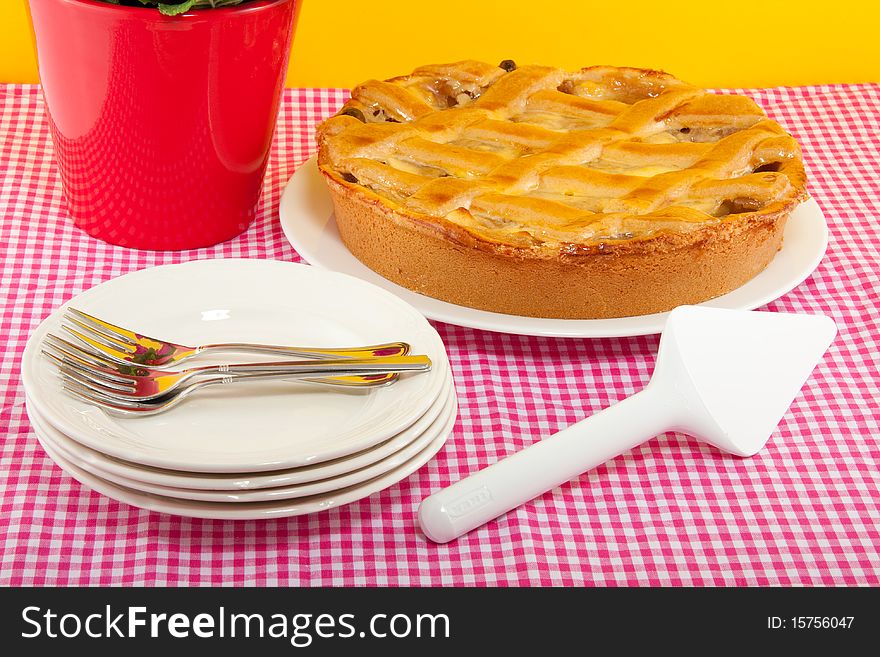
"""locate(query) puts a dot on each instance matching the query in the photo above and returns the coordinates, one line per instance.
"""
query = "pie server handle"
(514, 480)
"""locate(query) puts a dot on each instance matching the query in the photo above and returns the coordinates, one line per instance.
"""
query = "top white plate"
(309, 225)
(250, 427)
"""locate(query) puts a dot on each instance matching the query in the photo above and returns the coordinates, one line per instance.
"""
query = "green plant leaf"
(175, 9)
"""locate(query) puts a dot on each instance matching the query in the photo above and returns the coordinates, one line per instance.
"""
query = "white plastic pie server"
(725, 376)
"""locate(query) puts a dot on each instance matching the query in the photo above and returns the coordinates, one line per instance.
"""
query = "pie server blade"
(724, 376)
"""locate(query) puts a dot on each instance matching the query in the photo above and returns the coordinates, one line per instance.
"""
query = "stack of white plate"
(259, 449)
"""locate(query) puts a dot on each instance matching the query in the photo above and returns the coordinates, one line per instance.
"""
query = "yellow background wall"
(706, 42)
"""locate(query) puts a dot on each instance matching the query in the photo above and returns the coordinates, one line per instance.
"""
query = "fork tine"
(68, 370)
(93, 363)
(96, 334)
(65, 365)
(90, 396)
(102, 359)
(102, 326)
(87, 388)
(82, 393)
(71, 376)
(117, 352)
(88, 378)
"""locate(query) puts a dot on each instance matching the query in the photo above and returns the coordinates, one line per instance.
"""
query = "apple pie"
(605, 192)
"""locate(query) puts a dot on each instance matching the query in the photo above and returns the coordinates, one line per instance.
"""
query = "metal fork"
(166, 402)
(87, 357)
(146, 385)
(126, 346)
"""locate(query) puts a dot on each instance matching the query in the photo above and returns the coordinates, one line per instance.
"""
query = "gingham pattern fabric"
(804, 511)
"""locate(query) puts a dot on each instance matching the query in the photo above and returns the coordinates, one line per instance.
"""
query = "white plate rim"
(317, 487)
(252, 510)
(76, 431)
(237, 482)
(301, 198)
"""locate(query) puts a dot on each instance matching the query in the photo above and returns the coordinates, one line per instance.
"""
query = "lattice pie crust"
(606, 192)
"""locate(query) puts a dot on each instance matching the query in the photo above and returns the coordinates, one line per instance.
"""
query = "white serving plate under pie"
(308, 222)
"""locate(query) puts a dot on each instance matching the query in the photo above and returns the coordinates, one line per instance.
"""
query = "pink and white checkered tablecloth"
(804, 511)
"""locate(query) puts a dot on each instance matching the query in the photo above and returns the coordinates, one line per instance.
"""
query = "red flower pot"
(162, 125)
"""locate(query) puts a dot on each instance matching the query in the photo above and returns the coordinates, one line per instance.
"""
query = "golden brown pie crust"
(690, 231)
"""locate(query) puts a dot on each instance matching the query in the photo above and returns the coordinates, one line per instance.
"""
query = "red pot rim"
(246, 8)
